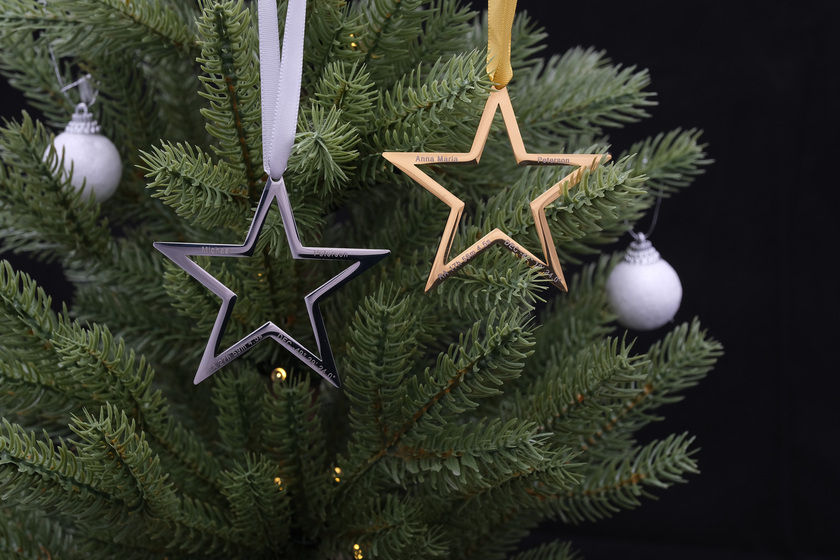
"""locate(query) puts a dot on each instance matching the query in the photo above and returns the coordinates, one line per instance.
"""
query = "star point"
(408, 163)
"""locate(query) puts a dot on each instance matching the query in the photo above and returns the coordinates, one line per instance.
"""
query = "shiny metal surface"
(212, 360)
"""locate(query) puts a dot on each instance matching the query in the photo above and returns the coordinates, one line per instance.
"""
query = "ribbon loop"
(499, 24)
(280, 81)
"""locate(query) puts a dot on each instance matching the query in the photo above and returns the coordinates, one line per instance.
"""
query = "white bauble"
(644, 291)
(95, 161)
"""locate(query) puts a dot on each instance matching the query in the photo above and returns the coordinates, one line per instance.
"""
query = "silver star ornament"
(213, 360)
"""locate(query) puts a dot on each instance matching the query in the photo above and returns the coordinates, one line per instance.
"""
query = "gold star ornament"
(410, 162)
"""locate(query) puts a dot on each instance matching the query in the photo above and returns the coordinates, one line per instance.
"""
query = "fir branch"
(674, 364)
(69, 366)
(235, 392)
(330, 40)
(40, 212)
(349, 89)
(670, 161)
(579, 390)
(27, 317)
(444, 27)
(29, 70)
(577, 91)
(591, 213)
(123, 465)
(324, 152)
(24, 19)
(575, 321)
(40, 475)
(465, 458)
(294, 437)
(127, 295)
(32, 399)
(386, 25)
(417, 102)
(473, 369)
(507, 497)
(36, 390)
(205, 192)
(502, 526)
(258, 503)
(16, 14)
(231, 83)
(206, 532)
(619, 483)
(385, 342)
(496, 280)
(151, 26)
(394, 528)
(121, 462)
(109, 373)
(128, 115)
(489, 522)
(491, 353)
(31, 535)
(178, 101)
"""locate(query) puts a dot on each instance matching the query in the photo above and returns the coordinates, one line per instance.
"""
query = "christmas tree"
(467, 414)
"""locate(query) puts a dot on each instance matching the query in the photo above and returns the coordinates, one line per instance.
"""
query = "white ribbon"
(280, 82)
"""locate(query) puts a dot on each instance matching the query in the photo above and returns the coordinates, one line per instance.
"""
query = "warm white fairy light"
(279, 374)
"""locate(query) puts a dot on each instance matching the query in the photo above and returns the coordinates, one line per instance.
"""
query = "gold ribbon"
(499, 23)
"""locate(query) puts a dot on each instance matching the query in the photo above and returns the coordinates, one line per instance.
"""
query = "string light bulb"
(279, 374)
(337, 474)
(279, 482)
(357, 552)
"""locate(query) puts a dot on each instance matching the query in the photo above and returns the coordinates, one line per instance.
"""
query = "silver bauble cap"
(82, 122)
(641, 251)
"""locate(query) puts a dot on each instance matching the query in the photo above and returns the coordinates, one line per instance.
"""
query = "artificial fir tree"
(467, 414)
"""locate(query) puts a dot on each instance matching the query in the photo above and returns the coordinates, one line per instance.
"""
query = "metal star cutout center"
(212, 360)
(408, 162)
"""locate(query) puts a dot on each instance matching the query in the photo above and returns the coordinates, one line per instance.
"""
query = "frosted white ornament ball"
(644, 290)
(95, 160)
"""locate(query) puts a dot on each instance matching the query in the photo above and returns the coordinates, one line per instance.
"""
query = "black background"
(753, 243)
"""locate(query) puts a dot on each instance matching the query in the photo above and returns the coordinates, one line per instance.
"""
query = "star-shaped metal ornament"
(212, 360)
(408, 162)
